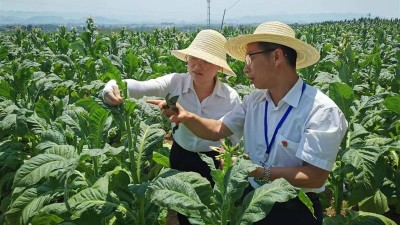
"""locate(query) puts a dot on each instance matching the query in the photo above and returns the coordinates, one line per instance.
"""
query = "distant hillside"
(296, 18)
(36, 18)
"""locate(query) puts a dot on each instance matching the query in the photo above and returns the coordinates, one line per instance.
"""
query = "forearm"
(138, 89)
(208, 129)
(306, 176)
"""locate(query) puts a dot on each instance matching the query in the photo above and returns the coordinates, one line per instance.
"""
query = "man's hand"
(181, 117)
(113, 98)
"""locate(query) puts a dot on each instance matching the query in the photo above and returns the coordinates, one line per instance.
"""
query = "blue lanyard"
(269, 145)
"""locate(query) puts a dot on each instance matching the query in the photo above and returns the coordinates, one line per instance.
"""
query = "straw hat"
(208, 45)
(274, 32)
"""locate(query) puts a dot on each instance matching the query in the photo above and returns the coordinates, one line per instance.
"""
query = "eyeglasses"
(247, 59)
(197, 61)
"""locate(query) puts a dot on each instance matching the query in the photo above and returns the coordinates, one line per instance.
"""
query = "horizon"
(188, 11)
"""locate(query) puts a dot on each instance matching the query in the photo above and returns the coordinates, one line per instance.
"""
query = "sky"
(196, 10)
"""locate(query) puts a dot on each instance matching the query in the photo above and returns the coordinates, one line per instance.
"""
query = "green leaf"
(235, 180)
(97, 121)
(27, 204)
(147, 139)
(54, 136)
(7, 125)
(258, 203)
(358, 218)
(358, 134)
(4, 52)
(360, 106)
(36, 168)
(46, 219)
(5, 89)
(79, 47)
(393, 103)
(306, 200)
(98, 199)
(66, 151)
(343, 96)
(178, 190)
(367, 169)
(113, 73)
(131, 63)
(174, 193)
(161, 159)
(59, 209)
(377, 203)
(202, 187)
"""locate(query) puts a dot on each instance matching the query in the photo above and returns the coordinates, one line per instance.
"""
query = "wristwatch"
(265, 179)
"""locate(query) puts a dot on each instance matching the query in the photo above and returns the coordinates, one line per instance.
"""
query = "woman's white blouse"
(220, 102)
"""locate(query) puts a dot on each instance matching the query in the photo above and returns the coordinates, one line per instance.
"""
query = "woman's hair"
(290, 54)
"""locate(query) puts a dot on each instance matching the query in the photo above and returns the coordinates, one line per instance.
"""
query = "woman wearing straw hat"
(199, 90)
(302, 128)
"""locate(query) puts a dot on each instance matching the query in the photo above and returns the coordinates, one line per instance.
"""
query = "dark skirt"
(183, 160)
(187, 161)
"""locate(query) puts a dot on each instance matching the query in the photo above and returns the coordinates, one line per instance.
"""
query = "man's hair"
(290, 53)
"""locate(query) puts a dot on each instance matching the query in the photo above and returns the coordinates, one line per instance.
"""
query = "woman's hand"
(113, 98)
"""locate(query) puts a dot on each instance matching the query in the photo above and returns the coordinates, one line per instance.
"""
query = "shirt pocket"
(285, 152)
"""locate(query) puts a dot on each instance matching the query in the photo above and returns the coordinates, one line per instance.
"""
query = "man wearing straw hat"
(199, 90)
(291, 130)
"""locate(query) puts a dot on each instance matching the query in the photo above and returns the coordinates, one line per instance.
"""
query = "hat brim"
(306, 54)
(181, 54)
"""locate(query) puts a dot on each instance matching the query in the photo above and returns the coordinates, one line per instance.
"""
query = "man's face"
(259, 66)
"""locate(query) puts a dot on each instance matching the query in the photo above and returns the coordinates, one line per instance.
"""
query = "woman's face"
(200, 70)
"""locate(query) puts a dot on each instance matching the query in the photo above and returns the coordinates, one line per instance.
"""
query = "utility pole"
(222, 23)
(208, 13)
(223, 16)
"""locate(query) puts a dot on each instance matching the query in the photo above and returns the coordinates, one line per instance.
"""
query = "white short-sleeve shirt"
(312, 132)
(221, 101)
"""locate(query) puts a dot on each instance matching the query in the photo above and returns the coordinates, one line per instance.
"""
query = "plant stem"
(225, 212)
(96, 166)
(338, 195)
(131, 150)
(141, 210)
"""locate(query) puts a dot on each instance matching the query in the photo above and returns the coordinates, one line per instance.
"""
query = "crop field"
(67, 158)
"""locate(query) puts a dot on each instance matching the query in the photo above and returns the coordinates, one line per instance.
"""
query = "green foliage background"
(67, 158)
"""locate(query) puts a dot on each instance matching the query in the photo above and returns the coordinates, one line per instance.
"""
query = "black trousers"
(183, 160)
(292, 212)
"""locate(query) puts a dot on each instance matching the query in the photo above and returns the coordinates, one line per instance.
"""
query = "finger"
(175, 118)
(181, 116)
(117, 91)
(111, 99)
(154, 102)
(159, 103)
(180, 108)
(168, 112)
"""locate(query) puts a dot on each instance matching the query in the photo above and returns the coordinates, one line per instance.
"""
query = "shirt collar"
(292, 97)
(187, 83)
(218, 89)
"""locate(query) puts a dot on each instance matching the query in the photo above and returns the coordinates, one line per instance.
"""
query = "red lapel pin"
(284, 143)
